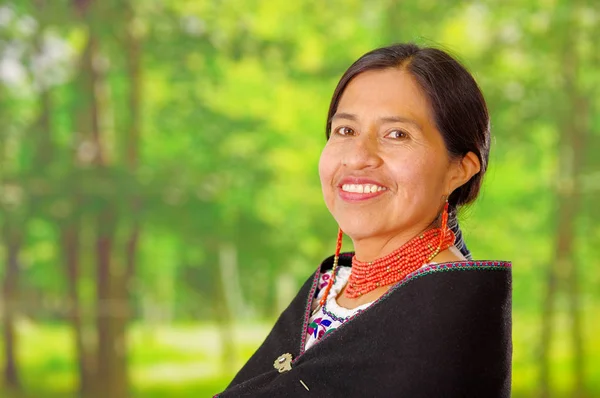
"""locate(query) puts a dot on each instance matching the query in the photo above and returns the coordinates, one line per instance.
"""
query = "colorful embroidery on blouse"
(323, 321)
(324, 280)
(318, 327)
(334, 316)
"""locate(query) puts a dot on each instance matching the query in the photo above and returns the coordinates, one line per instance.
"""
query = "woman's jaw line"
(372, 247)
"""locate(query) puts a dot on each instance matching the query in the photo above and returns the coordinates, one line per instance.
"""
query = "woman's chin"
(360, 231)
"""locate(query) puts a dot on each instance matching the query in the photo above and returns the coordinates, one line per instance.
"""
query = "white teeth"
(362, 188)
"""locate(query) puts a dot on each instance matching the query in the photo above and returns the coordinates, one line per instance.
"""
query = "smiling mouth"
(362, 188)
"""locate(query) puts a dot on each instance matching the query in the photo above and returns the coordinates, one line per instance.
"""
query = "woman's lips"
(352, 190)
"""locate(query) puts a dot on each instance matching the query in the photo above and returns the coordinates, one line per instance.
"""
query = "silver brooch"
(283, 363)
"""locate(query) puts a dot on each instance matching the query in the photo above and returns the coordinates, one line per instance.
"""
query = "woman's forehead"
(384, 94)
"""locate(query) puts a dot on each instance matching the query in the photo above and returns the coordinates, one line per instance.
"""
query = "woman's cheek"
(326, 165)
(327, 168)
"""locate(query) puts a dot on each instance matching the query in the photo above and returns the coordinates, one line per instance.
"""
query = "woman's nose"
(363, 152)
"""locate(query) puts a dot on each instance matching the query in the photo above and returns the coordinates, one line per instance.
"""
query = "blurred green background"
(159, 197)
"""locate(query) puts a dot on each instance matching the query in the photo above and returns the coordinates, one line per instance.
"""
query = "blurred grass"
(174, 361)
(184, 360)
(526, 334)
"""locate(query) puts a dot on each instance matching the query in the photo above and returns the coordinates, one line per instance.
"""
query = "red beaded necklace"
(368, 276)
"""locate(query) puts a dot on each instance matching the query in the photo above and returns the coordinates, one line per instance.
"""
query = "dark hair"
(459, 109)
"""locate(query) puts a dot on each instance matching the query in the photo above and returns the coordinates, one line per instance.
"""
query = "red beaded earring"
(336, 260)
(445, 216)
(444, 226)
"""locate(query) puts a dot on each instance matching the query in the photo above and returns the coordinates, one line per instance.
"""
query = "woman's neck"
(374, 247)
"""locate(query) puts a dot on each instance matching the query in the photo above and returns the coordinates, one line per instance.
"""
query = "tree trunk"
(109, 308)
(574, 131)
(232, 288)
(225, 303)
(82, 326)
(10, 297)
(134, 74)
(580, 117)
(547, 328)
(44, 144)
(86, 361)
(563, 273)
(122, 278)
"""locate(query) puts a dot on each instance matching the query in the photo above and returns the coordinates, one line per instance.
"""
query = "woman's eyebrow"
(383, 119)
(400, 119)
(344, 115)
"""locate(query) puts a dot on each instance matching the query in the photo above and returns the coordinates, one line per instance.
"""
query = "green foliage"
(233, 105)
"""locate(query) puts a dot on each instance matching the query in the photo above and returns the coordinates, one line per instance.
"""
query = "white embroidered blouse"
(331, 316)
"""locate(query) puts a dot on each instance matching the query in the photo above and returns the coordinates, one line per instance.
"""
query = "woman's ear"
(461, 171)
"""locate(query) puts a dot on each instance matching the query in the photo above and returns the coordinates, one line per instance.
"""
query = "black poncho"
(443, 331)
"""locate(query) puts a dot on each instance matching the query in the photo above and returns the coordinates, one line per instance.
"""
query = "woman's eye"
(345, 131)
(397, 134)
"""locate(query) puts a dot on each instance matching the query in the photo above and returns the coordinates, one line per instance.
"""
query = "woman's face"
(385, 170)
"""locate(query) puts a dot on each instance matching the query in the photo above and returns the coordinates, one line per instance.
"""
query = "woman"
(407, 314)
